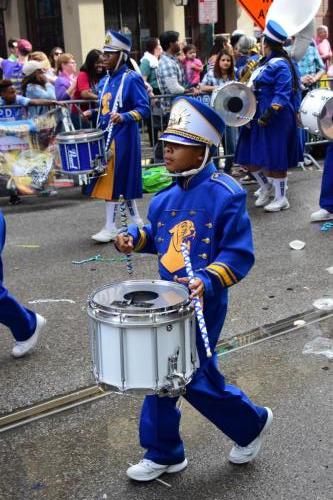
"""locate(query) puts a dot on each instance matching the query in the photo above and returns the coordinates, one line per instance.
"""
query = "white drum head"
(140, 297)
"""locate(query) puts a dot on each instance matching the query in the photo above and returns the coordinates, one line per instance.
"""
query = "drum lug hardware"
(97, 165)
(169, 328)
(177, 382)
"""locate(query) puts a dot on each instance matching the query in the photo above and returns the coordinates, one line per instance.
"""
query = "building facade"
(79, 25)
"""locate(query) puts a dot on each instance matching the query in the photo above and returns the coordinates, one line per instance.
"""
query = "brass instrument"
(235, 101)
(248, 70)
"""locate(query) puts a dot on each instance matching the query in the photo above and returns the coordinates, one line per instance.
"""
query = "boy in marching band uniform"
(123, 174)
(207, 210)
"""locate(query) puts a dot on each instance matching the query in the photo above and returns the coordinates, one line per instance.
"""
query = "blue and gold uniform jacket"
(124, 169)
(208, 211)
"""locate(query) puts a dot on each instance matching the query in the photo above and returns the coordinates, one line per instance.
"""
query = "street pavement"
(88, 448)
(83, 454)
(45, 235)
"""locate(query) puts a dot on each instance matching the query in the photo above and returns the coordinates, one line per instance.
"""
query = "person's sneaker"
(307, 161)
(146, 470)
(247, 180)
(244, 454)
(22, 348)
(270, 191)
(105, 236)
(321, 215)
(263, 197)
(277, 205)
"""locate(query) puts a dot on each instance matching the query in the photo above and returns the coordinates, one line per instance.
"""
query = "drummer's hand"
(124, 243)
(87, 114)
(116, 118)
(196, 288)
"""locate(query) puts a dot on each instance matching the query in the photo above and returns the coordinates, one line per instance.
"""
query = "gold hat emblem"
(108, 39)
(179, 118)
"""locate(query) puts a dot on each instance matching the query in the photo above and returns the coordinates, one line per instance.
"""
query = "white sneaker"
(263, 197)
(244, 454)
(22, 348)
(104, 236)
(270, 191)
(321, 215)
(146, 470)
(277, 205)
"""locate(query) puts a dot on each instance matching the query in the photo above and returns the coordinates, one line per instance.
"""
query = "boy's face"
(179, 158)
(110, 60)
(9, 94)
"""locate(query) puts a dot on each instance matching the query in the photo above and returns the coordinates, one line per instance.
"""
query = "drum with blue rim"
(82, 151)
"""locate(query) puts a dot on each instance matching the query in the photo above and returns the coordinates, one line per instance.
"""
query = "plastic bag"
(155, 179)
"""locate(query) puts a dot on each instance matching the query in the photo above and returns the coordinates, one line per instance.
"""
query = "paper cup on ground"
(297, 245)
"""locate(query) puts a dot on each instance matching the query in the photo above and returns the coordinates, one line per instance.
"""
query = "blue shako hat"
(116, 42)
(193, 123)
(274, 32)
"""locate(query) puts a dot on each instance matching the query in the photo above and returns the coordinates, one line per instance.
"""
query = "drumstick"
(124, 230)
(196, 300)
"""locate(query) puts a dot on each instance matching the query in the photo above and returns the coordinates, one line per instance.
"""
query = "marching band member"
(268, 145)
(25, 325)
(206, 210)
(123, 103)
(326, 195)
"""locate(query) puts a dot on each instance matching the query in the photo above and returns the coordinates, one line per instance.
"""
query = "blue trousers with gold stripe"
(326, 195)
(21, 321)
(224, 405)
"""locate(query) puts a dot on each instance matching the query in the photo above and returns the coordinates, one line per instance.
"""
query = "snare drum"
(142, 336)
(316, 112)
(82, 151)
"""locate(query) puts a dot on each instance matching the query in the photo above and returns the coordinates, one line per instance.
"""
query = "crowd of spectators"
(168, 67)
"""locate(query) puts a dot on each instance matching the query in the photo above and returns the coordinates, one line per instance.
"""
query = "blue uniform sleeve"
(138, 100)
(283, 85)
(235, 255)
(143, 239)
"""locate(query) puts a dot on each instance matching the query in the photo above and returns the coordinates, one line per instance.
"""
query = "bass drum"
(316, 113)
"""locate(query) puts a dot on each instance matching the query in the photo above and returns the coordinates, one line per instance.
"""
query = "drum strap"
(118, 102)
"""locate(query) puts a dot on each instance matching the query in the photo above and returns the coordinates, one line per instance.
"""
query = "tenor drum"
(316, 112)
(142, 336)
(82, 151)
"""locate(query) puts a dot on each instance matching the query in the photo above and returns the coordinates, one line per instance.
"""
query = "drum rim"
(78, 137)
(117, 311)
(303, 113)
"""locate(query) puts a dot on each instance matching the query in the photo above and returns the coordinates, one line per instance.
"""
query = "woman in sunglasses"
(54, 54)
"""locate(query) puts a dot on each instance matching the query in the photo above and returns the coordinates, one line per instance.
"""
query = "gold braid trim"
(224, 272)
(188, 135)
(142, 241)
(136, 115)
(211, 271)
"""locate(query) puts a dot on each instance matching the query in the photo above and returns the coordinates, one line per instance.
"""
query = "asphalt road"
(45, 235)
(82, 454)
